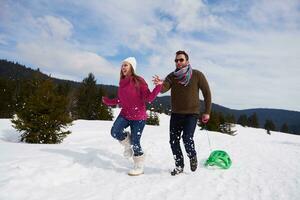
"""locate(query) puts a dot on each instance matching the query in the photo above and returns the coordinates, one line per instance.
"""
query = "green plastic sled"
(219, 158)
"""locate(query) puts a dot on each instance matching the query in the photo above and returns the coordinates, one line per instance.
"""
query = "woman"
(133, 93)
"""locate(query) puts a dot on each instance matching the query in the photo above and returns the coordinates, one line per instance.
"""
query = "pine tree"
(214, 122)
(269, 126)
(86, 99)
(43, 117)
(253, 121)
(160, 108)
(6, 98)
(243, 120)
(105, 113)
(66, 90)
(23, 89)
(89, 101)
(153, 119)
(284, 128)
(221, 117)
(230, 119)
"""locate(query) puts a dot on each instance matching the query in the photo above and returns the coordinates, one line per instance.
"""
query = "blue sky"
(248, 50)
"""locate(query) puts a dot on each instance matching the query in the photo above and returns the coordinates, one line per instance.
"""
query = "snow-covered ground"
(89, 165)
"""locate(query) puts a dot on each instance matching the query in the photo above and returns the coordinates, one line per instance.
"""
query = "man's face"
(180, 61)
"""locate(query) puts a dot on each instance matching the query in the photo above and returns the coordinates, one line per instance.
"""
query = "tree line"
(218, 119)
(83, 102)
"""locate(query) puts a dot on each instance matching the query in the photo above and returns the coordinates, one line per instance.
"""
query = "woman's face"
(126, 69)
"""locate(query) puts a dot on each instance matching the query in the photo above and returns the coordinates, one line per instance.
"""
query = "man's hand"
(205, 118)
(156, 80)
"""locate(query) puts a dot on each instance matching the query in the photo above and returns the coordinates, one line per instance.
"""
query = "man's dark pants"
(182, 125)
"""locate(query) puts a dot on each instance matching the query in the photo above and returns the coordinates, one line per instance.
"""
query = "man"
(185, 84)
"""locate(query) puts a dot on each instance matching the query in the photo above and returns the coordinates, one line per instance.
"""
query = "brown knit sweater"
(185, 99)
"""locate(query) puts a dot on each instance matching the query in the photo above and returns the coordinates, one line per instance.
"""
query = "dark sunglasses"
(180, 59)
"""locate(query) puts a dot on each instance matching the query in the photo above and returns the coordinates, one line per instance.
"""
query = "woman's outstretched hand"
(156, 80)
(105, 100)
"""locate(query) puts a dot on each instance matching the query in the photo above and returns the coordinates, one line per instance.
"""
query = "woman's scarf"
(184, 75)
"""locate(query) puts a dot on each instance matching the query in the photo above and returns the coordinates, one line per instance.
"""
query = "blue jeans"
(136, 128)
(185, 124)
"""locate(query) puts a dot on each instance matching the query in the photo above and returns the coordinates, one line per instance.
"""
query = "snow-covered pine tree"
(43, 117)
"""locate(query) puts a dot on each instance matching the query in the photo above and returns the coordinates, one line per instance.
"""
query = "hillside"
(278, 116)
(89, 165)
(13, 71)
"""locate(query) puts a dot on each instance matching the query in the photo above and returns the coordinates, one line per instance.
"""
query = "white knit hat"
(132, 61)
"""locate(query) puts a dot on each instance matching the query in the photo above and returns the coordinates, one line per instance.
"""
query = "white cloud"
(54, 27)
(66, 60)
(53, 51)
(192, 15)
(248, 50)
(276, 13)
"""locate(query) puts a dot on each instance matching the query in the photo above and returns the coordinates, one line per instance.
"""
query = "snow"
(89, 165)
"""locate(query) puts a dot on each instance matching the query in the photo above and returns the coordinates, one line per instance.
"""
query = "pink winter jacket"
(132, 99)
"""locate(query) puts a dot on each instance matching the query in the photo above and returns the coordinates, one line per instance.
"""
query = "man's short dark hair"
(184, 53)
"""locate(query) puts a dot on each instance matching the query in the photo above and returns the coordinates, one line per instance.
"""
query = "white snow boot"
(138, 167)
(127, 147)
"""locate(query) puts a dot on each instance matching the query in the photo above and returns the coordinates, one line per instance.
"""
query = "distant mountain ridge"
(13, 71)
(278, 116)
(10, 70)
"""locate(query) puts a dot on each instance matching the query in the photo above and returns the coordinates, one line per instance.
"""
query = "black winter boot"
(193, 163)
(176, 171)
